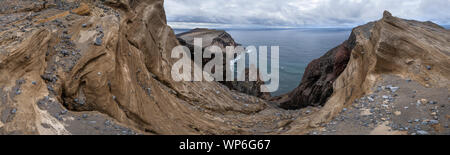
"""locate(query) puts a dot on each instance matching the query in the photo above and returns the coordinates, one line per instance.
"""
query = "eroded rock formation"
(222, 39)
(317, 82)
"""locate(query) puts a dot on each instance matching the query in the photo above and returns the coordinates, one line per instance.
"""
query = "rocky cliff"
(103, 67)
(222, 39)
(412, 50)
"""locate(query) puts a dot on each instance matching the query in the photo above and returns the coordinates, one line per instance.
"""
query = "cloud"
(300, 13)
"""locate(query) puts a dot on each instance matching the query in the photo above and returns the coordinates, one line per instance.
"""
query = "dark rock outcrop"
(317, 83)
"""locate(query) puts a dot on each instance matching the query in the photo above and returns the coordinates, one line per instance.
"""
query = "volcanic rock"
(222, 39)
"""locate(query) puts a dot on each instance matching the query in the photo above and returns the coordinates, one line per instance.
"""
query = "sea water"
(297, 48)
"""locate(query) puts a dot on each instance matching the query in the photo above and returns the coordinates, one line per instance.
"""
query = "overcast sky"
(298, 13)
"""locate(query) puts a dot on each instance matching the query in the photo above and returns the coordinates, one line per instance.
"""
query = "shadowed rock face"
(317, 82)
(222, 39)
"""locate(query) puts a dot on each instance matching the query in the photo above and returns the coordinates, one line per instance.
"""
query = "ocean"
(298, 47)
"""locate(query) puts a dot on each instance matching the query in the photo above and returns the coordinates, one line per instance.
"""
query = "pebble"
(114, 97)
(84, 25)
(107, 122)
(421, 132)
(429, 67)
(432, 122)
(84, 115)
(64, 112)
(149, 91)
(370, 99)
(33, 82)
(397, 113)
(98, 41)
(13, 111)
(394, 89)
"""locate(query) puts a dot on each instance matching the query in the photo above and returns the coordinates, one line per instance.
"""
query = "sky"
(187, 14)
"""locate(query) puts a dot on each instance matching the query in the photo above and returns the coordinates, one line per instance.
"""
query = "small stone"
(370, 99)
(217, 92)
(64, 112)
(345, 109)
(14, 111)
(84, 115)
(114, 97)
(18, 92)
(379, 89)
(149, 91)
(428, 67)
(308, 111)
(383, 119)
(406, 107)
(421, 132)
(99, 73)
(388, 87)
(423, 101)
(33, 82)
(408, 80)
(385, 97)
(424, 122)
(107, 123)
(432, 102)
(397, 113)
(84, 25)
(432, 122)
(416, 120)
(394, 89)
(433, 114)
